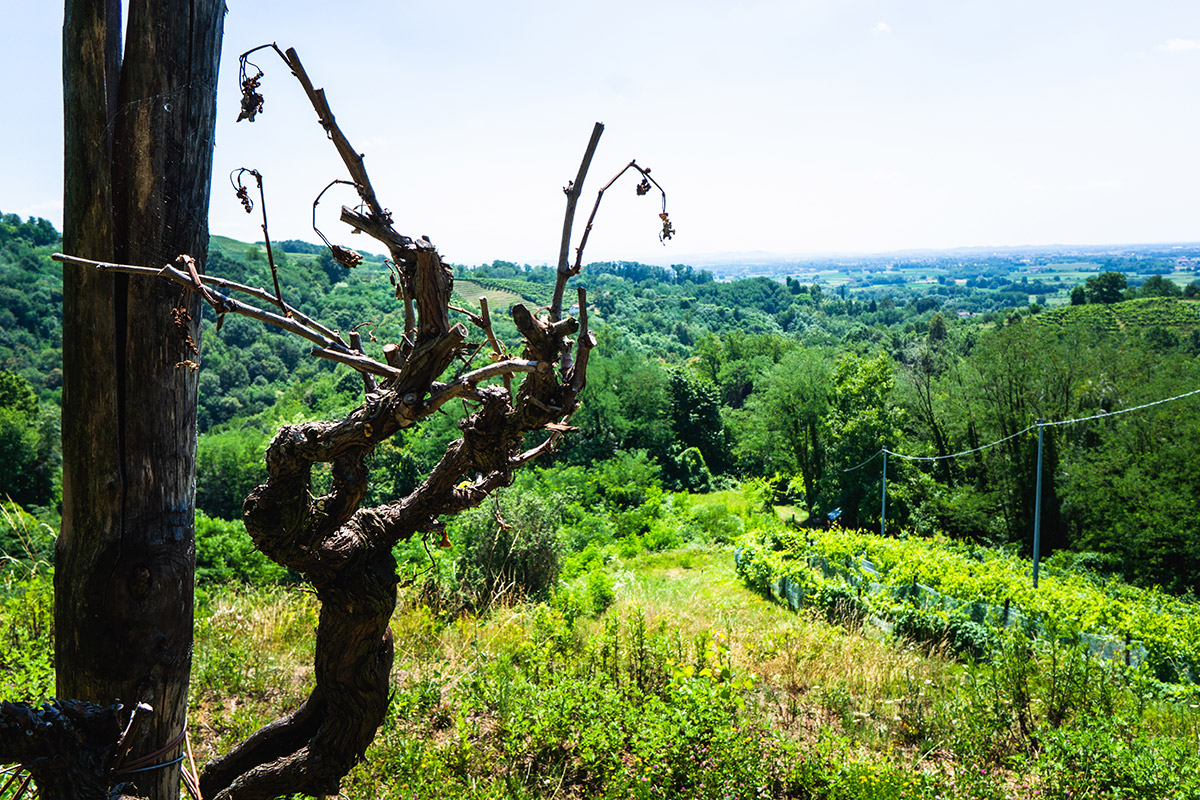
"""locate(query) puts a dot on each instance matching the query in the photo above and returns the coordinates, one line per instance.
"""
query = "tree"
(1158, 286)
(26, 447)
(1107, 287)
(626, 407)
(922, 367)
(696, 417)
(783, 422)
(1132, 490)
(937, 328)
(342, 549)
(860, 421)
(1025, 372)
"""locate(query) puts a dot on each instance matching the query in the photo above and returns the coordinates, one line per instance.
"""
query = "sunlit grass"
(498, 705)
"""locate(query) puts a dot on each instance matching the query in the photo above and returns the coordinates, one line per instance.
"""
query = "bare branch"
(497, 351)
(402, 249)
(551, 443)
(299, 324)
(485, 319)
(356, 344)
(572, 191)
(643, 188)
(576, 378)
(474, 318)
(365, 365)
(351, 157)
(469, 381)
(244, 197)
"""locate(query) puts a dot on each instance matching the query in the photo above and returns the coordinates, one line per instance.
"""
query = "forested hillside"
(698, 384)
(30, 371)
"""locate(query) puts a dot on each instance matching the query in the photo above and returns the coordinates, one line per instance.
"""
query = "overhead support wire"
(1040, 424)
(1037, 425)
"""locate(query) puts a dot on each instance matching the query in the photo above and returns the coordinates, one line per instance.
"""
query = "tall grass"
(661, 674)
(26, 607)
(691, 685)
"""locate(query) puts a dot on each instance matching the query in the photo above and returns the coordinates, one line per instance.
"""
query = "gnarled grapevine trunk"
(345, 551)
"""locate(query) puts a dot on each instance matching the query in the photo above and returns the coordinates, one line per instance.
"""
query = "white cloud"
(1180, 45)
(882, 27)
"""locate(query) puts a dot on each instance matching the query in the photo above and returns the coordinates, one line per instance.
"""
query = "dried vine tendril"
(343, 255)
(668, 230)
(243, 194)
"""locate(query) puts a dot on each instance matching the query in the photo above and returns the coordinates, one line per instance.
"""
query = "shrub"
(719, 523)
(600, 594)
(1108, 758)
(625, 480)
(693, 473)
(661, 536)
(224, 553)
(840, 603)
(510, 549)
(26, 636)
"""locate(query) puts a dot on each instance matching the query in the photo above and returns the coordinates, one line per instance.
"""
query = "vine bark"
(345, 551)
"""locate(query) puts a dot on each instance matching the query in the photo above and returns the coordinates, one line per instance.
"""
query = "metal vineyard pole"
(883, 502)
(1037, 509)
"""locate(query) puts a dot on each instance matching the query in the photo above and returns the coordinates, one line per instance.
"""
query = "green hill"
(1129, 316)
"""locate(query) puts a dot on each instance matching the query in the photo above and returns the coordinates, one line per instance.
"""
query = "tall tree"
(922, 367)
(861, 420)
(1023, 372)
(696, 417)
(783, 421)
(137, 166)
(1107, 287)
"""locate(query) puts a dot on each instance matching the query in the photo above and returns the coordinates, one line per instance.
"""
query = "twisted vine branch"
(343, 550)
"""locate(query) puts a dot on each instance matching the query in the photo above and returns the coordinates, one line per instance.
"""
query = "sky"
(785, 128)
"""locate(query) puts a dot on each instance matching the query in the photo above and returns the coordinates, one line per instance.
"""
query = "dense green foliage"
(26, 606)
(30, 366)
(967, 595)
(711, 382)
(26, 636)
(685, 684)
(30, 303)
(29, 443)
